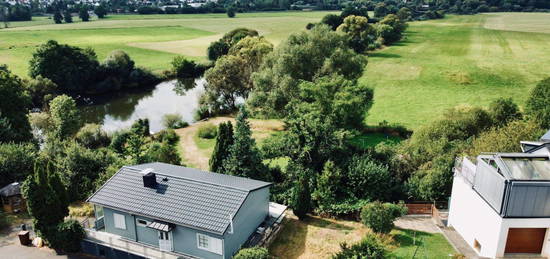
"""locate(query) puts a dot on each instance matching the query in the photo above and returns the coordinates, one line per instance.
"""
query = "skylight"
(528, 168)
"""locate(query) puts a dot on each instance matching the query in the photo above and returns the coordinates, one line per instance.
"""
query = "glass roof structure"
(528, 168)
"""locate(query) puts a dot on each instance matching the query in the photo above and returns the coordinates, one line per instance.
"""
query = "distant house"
(12, 201)
(158, 210)
(500, 203)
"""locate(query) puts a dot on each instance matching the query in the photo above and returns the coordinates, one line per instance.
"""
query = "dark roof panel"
(11, 190)
(183, 196)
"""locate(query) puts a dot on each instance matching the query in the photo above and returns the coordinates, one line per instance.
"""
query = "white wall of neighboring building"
(474, 219)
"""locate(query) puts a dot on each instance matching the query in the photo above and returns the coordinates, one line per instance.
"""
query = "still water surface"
(120, 110)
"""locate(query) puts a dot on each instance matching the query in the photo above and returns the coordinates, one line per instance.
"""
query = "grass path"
(196, 152)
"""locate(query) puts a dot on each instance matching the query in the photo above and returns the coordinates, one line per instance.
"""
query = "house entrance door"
(165, 241)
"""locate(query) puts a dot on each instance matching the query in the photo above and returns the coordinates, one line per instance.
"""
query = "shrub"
(184, 68)
(538, 104)
(231, 12)
(504, 110)
(201, 113)
(81, 210)
(92, 136)
(371, 246)
(174, 121)
(252, 253)
(169, 136)
(380, 216)
(207, 130)
(68, 236)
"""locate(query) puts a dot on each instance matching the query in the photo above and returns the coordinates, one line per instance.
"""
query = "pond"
(119, 110)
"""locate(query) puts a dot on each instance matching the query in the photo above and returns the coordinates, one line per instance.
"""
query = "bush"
(92, 136)
(503, 111)
(201, 113)
(231, 12)
(371, 246)
(380, 216)
(252, 253)
(184, 68)
(169, 136)
(68, 236)
(207, 130)
(174, 121)
(81, 210)
(538, 104)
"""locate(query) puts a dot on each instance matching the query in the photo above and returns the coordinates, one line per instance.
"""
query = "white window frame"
(140, 224)
(119, 220)
(213, 244)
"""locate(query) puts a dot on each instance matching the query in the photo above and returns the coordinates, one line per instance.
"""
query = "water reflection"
(120, 111)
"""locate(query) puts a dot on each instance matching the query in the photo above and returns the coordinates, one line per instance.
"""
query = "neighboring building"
(159, 210)
(12, 200)
(500, 204)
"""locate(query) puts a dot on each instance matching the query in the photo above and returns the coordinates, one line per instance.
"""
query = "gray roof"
(546, 136)
(11, 190)
(183, 196)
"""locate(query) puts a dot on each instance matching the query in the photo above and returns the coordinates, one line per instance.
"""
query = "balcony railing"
(465, 168)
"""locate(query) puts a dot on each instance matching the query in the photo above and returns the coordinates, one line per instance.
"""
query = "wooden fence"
(419, 208)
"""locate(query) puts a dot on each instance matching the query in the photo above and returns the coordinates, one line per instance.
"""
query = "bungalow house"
(500, 203)
(12, 200)
(159, 210)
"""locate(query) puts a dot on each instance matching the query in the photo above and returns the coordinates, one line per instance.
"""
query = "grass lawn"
(429, 245)
(458, 61)
(373, 139)
(151, 40)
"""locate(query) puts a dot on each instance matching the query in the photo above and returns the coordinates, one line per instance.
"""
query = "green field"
(151, 40)
(458, 61)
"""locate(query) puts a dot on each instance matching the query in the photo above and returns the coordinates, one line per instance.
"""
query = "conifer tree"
(47, 200)
(57, 17)
(224, 140)
(68, 16)
(244, 157)
(301, 196)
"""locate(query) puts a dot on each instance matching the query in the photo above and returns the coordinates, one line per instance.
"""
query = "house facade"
(500, 202)
(176, 212)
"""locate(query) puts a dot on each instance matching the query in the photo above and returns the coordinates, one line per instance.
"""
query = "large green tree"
(224, 141)
(14, 106)
(304, 56)
(16, 161)
(360, 33)
(73, 69)
(244, 157)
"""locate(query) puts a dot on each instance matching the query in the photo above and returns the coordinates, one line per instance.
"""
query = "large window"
(120, 221)
(98, 211)
(214, 245)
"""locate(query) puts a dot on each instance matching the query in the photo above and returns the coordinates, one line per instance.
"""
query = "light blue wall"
(251, 214)
(145, 234)
(129, 232)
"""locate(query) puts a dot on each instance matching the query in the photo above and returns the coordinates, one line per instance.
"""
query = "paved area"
(459, 243)
(13, 250)
(417, 222)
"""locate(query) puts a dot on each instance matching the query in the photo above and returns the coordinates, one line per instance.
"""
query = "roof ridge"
(195, 180)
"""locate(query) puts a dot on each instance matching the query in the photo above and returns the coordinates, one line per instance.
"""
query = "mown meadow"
(458, 61)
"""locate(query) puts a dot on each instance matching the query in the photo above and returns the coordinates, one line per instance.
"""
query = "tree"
(41, 90)
(224, 141)
(380, 10)
(16, 162)
(301, 196)
(67, 16)
(398, 27)
(538, 104)
(217, 49)
(328, 188)
(244, 157)
(231, 12)
(332, 20)
(57, 17)
(366, 179)
(503, 111)
(184, 68)
(304, 56)
(83, 14)
(361, 34)
(380, 216)
(230, 78)
(46, 198)
(164, 152)
(68, 236)
(404, 14)
(92, 136)
(72, 69)
(65, 117)
(14, 106)
(221, 47)
(4, 15)
(101, 11)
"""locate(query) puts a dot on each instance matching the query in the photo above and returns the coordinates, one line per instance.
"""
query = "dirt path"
(195, 157)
